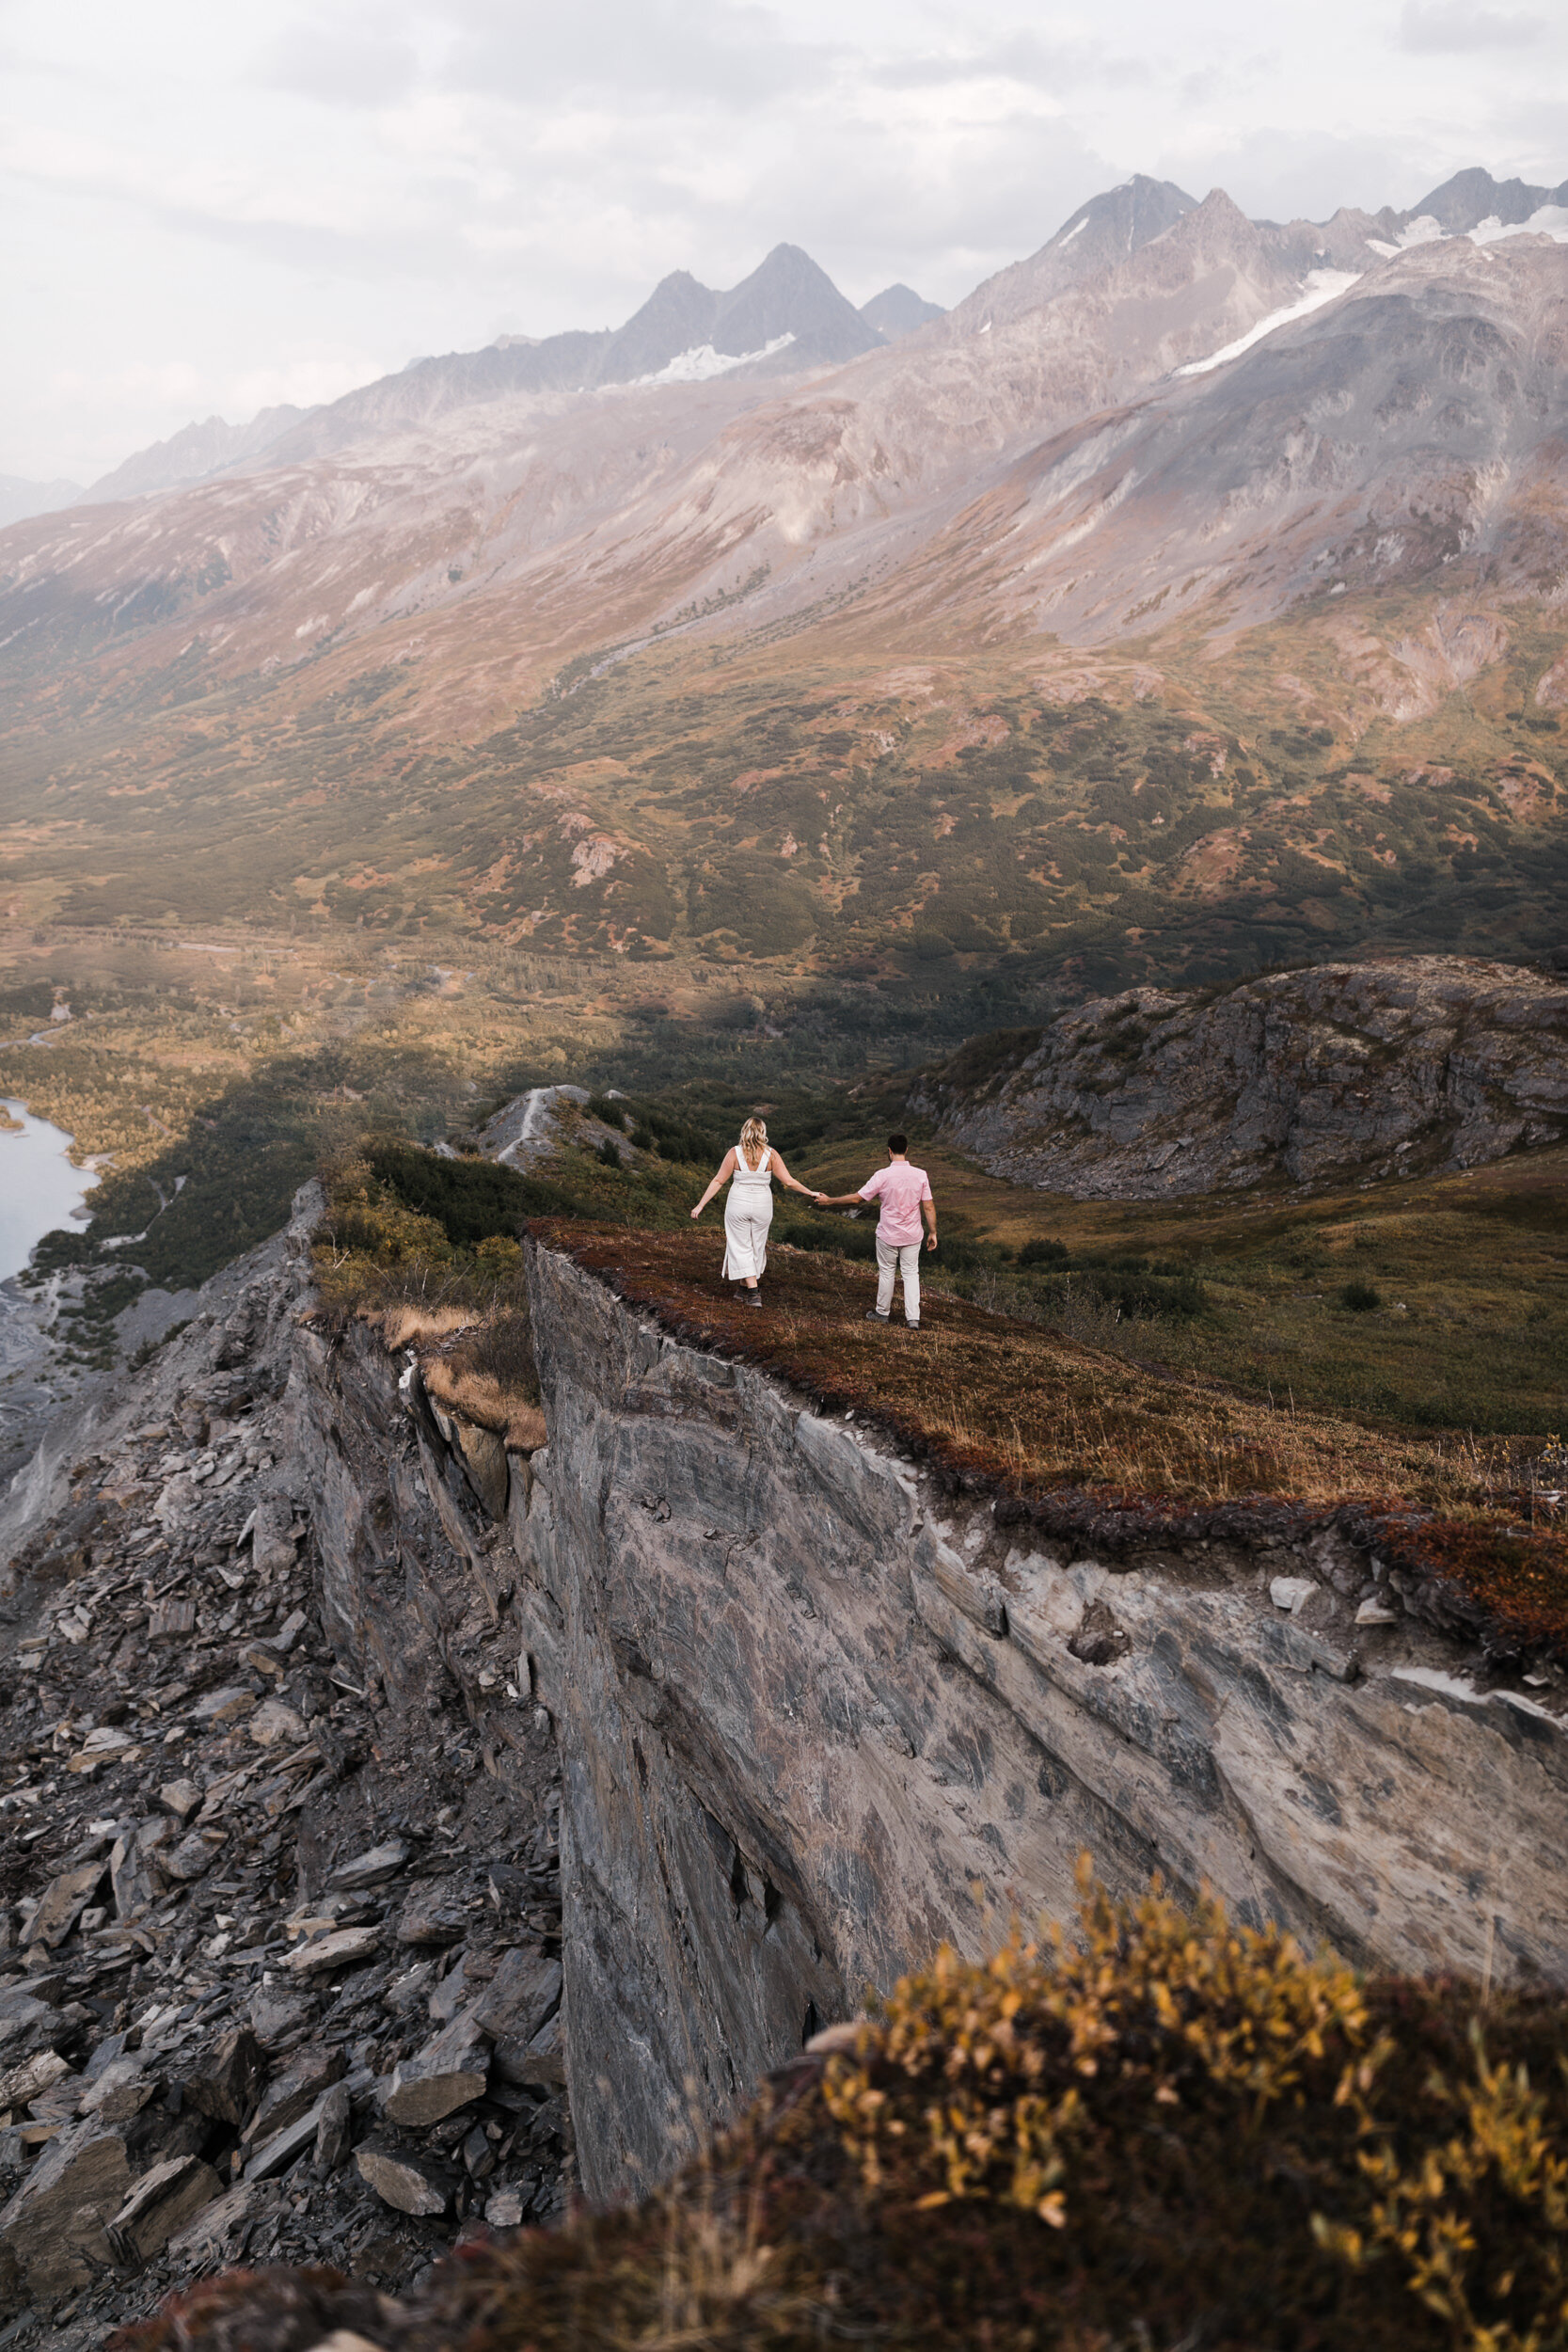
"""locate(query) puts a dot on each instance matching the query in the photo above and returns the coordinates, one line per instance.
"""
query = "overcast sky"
(213, 209)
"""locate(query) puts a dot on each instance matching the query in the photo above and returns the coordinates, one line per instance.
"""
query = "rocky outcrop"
(814, 1716)
(280, 1956)
(1341, 1073)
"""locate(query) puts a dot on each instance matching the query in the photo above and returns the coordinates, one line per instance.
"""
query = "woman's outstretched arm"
(786, 1178)
(726, 1169)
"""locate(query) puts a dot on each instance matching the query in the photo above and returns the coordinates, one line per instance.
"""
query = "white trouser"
(903, 1258)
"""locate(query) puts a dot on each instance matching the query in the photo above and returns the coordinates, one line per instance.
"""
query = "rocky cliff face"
(814, 1717)
(1330, 1075)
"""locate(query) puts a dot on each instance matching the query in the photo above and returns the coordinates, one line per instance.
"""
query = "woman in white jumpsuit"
(749, 1168)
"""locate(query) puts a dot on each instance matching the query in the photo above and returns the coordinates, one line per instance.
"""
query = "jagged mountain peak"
(1124, 217)
(897, 310)
(1125, 244)
(1463, 202)
(789, 293)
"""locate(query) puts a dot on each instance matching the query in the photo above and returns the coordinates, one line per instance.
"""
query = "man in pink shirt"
(905, 1193)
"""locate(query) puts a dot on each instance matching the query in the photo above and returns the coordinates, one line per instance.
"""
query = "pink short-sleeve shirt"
(901, 1188)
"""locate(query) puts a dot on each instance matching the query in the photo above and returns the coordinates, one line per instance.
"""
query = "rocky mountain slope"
(279, 1954)
(1305, 1078)
(201, 449)
(615, 514)
(1164, 613)
(1409, 427)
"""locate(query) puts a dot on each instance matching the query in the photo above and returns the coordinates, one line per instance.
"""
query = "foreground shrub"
(1171, 2131)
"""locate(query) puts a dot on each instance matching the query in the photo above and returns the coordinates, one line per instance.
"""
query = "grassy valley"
(827, 805)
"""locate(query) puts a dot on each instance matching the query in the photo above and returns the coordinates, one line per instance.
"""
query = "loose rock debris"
(279, 1971)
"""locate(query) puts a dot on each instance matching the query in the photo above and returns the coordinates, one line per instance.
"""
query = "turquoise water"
(38, 1187)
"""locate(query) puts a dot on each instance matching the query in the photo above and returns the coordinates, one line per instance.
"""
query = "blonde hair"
(754, 1141)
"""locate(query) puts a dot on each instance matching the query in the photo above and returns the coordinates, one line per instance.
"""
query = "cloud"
(1449, 28)
(268, 188)
(684, 54)
(1023, 58)
(341, 65)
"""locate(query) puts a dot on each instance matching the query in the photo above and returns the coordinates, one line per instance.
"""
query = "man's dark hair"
(897, 1143)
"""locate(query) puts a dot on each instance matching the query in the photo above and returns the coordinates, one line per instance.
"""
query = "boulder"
(165, 2199)
(334, 1951)
(23, 2083)
(228, 2083)
(301, 2082)
(55, 2226)
(195, 1855)
(523, 1992)
(372, 1868)
(64, 1900)
(444, 2075)
(119, 2092)
(435, 1913)
(412, 2184)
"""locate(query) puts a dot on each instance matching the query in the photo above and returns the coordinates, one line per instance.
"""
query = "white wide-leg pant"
(903, 1259)
(746, 1224)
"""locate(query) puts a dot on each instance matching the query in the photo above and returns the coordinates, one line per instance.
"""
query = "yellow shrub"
(1163, 2003)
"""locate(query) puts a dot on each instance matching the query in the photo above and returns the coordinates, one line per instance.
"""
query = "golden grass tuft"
(479, 1397)
(415, 1325)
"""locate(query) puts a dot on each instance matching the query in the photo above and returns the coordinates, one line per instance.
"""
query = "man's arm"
(928, 1211)
(868, 1192)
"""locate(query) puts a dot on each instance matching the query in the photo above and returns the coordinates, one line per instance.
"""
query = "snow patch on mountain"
(1547, 221)
(698, 365)
(1551, 220)
(1423, 230)
(1323, 285)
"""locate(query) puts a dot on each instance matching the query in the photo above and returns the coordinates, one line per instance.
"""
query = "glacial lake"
(38, 1187)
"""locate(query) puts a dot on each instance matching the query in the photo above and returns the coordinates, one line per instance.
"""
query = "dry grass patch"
(1012, 1404)
(479, 1397)
(1112, 1451)
(411, 1325)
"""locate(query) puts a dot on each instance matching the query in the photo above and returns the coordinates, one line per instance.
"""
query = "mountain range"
(1102, 620)
(787, 315)
(21, 497)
